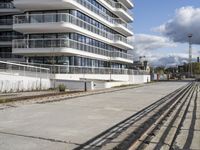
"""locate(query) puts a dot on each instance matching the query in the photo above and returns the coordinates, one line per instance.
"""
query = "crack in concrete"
(40, 138)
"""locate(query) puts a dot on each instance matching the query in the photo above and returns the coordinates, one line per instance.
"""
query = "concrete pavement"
(66, 124)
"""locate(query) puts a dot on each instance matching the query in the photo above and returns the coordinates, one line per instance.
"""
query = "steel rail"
(178, 104)
(112, 133)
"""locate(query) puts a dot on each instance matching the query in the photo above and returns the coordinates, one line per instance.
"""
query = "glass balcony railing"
(98, 11)
(6, 5)
(67, 43)
(64, 17)
(117, 5)
(62, 69)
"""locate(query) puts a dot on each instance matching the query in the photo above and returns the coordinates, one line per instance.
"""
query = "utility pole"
(190, 56)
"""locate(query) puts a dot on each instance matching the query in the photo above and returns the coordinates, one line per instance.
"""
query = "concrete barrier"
(74, 85)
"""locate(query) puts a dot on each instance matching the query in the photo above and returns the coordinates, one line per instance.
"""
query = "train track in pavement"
(157, 126)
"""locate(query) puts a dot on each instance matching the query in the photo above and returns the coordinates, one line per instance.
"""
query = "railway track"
(156, 127)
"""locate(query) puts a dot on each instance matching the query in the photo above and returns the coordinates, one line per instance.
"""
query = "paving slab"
(66, 124)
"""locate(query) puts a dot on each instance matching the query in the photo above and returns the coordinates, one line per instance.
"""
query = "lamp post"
(110, 67)
(53, 68)
(190, 56)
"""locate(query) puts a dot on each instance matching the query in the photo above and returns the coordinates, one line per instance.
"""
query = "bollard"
(85, 86)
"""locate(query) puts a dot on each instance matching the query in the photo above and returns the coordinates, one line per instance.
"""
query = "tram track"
(127, 133)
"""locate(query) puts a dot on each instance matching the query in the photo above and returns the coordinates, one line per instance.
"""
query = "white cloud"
(146, 45)
(186, 21)
(145, 42)
(170, 60)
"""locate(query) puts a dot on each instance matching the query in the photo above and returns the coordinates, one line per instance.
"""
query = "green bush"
(61, 88)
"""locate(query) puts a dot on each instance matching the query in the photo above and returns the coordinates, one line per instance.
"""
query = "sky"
(161, 28)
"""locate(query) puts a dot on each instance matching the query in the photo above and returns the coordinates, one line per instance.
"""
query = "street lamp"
(190, 56)
(53, 68)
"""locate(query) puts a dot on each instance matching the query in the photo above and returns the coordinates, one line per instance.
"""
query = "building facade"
(74, 36)
(7, 10)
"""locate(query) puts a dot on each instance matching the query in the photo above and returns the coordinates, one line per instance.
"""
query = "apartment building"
(75, 36)
(7, 10)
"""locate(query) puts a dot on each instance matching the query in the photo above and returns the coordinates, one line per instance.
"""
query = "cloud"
(145, 42)
(146, 45)
(168, 61)
(186, 21)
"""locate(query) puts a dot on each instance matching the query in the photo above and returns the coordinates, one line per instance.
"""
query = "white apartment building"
(7, 10)
(76, 38)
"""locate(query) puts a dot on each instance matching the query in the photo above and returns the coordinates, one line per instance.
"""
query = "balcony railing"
(67, 43)
(62, 69)
(6, 21)
(119, 5)
(98, 11)
(6, 5)
(65, 17)
(69, 69)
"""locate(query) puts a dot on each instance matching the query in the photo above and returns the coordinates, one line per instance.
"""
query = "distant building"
(141, 64)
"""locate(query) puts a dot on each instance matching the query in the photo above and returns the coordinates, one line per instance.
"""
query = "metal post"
(110, 68)
(53, 63)
(190, 56)
(40, 78)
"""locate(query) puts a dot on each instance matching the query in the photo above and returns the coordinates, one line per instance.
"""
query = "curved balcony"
(128, 3)
(118, 8)
(63, 22)
(117, 23)
(69, 47)
(83, 5)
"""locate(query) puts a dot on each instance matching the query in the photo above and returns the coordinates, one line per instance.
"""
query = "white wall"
(15, 83)
(132, 79)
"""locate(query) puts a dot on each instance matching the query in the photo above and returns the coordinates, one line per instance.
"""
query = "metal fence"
(69, 69)
(24, 70)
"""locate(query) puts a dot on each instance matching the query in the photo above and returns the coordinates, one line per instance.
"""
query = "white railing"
(94, 70)
(117, 5)
(23, 70)
(67, 43)
(65, 17)
(98, 11)
(68, 69)
(6, 5)
(122, 55)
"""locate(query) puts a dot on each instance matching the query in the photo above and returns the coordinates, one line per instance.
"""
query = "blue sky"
(152, 13)
(149, 14)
